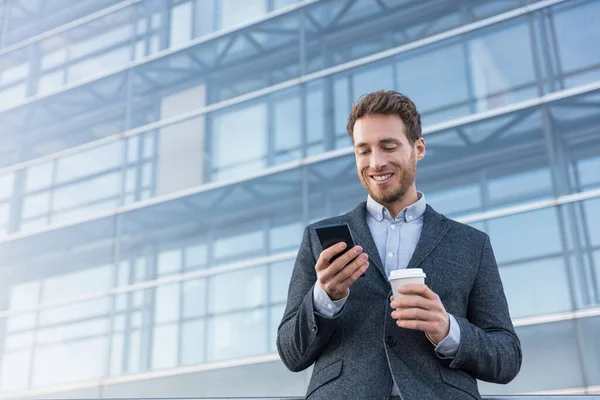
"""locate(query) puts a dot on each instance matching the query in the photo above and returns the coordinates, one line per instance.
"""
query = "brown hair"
(387, 102)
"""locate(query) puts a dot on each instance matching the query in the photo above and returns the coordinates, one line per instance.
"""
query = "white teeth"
(382, 178)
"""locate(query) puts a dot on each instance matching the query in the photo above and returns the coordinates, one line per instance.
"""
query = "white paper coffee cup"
(401, 277)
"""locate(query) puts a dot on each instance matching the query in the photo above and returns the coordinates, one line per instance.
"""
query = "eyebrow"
(382, 141)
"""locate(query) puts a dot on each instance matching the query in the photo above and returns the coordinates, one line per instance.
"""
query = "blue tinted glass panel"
(164, 346)
(525, 236)
(237, 335)
(578, 38)
(536, 288)
(247, 286)
(193, 340)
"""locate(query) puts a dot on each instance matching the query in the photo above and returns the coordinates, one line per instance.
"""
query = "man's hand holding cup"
(336, 277)
(416, 306)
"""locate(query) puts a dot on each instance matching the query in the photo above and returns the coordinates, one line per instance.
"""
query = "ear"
(420, 149)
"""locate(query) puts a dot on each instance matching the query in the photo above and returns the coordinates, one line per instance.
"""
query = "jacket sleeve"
(489, 347)
(303, 333)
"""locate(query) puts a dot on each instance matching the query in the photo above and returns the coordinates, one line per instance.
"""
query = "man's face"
(385, 159)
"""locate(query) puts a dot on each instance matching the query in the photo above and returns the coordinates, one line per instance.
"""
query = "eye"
(389, 148)
(363, 152)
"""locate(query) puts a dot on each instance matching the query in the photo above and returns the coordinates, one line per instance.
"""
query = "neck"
(410, 197)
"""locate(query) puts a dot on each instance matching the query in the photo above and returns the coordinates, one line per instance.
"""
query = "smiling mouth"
(381, 178)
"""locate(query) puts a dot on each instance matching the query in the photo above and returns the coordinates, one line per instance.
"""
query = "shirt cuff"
(448, 347)
(324, 305)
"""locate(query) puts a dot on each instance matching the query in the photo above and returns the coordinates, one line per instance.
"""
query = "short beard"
(393, 195)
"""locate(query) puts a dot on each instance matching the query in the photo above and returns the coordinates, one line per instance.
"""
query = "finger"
(327, 254)
(414, 313)
(336, 273)
(356, 270)
(414, 301)
(420, 289)
(347, 258)
(416, 324)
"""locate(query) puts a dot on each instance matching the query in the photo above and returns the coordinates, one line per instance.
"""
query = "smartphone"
(330, 235)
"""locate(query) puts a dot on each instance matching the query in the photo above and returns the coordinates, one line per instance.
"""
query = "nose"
(377, 160)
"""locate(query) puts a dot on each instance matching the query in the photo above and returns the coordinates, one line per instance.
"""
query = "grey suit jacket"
(360, 352)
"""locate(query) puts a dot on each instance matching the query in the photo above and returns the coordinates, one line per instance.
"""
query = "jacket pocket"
(324, 375)
(460, 380)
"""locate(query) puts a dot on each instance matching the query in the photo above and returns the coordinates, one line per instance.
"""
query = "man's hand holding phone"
(336, 277)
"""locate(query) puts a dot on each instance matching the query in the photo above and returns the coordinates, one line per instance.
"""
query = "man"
(363, 342)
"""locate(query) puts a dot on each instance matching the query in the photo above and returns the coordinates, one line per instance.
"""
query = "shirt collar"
(409, 214)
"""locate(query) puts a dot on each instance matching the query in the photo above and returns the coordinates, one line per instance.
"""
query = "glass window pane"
(285, 237)
(248, 288)
(195, 256)
(315, 119)
(235, 12)
(592, 213)
(39, 176)
(246, 125)
(276, 316)
(501, 64)
(167, 303)
(14, 372)
(526, 235)
(79, 361)
(89, 162)
(35, 205)
(192, 342)
(116, 355)
(80, 194)
(536, 288)
(88, 309)
(18, 341)
(287, 127)
(237, 335)
(450, 78)
(6, 186)
(91, 280)
(281, 274)
(134, 360)
(181, 24)
(24, 295)
(578, 36)
(235, 246)
(169, 262)
(194, 298)
(372, 78)
(164, 347)
(73, 331)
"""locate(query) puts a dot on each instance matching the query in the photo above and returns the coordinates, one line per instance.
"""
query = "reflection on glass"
(193, 339)
(240, 289)
(164, 346)
(524, 236)
(79, 361)
(167, 303)
(281, 274)
(169, 262)
(194, 298)
(536, 288)
(578, 41)
(91, 280)
(236, 335)
(246, 125)
(14, 372)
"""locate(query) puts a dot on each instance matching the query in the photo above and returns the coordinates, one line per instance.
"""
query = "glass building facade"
(160, 158)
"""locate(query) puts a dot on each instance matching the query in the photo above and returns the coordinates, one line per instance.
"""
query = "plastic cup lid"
(407, 273)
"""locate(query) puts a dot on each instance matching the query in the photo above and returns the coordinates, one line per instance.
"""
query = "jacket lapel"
(435, 227)
(357, 220)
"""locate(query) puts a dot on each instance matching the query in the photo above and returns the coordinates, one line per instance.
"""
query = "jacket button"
(390, 340)
(313, 328)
